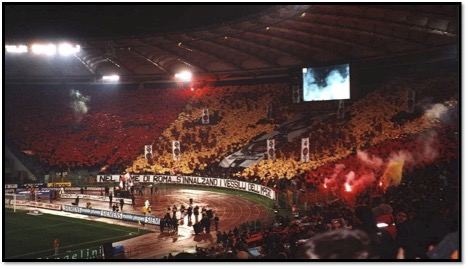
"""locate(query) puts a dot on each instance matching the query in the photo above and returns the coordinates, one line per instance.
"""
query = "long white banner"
(112, 214)
(200, 181)
(94, 197)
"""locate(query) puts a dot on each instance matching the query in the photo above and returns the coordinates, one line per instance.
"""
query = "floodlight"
(16, 48)
(49, 49)
(111, 78)
(66, 49)
(184, 76)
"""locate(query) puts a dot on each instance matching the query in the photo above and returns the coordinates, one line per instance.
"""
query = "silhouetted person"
(196, 213)
(216, 221)
(189, 213)
(121, 204)
(133, 199)
(338, 244)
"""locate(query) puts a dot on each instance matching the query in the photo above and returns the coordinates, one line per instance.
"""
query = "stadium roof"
(264, 41)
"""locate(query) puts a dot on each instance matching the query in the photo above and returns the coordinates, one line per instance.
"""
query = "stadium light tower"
(111, 78)
(66, 49)
(184, 76)
(49, 49)
(16, 48)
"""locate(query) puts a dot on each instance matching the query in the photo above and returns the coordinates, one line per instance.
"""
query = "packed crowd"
(371, 121)
(414, 220)
(113, 132)
(97, 129)
(236, 114)
(380, 165)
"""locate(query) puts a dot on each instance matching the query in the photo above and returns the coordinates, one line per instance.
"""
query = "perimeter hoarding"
(198, 181)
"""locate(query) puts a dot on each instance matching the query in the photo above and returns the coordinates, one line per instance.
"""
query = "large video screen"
(326, 83)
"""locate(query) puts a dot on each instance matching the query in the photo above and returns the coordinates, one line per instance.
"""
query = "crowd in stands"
(400, 167)
(111, 135)
(398, 224)
(418, 213)
(237, 115)
(103, 129)
(370, 121)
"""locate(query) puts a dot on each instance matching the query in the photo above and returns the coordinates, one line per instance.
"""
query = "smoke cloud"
(427, 151)
(79, 105)
(338, 168)
(365, 170)
(389, 170)
(372, 161)
(436, 112)
(424, 152)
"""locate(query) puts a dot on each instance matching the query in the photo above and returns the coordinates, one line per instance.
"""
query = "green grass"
(31, 237)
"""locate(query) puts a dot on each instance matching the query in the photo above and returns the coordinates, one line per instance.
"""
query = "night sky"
(27, 22)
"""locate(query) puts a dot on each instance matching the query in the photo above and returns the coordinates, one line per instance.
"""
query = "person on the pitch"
(196, 213)
(216, 222)
(189, 214)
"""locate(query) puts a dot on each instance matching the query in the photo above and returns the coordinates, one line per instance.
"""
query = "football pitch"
(32, 237)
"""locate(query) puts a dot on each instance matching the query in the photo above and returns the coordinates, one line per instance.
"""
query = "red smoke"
(356, 173)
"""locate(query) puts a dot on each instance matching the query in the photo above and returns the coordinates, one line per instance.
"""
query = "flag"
(269, 111)
(296, 94)
(393, 173)
(341, 110)
(305, 150)
(205, 116)
(176, 150)
(271, 149)
(149, 153)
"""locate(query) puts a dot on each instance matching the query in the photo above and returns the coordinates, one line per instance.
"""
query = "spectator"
(338, 244)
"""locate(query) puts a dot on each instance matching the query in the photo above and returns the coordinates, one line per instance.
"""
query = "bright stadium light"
(49, 49)
(66, 49)
(16, 48)
(184, 76)
(111, 78)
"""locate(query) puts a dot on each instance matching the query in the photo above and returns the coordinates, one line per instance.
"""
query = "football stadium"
(231, 132)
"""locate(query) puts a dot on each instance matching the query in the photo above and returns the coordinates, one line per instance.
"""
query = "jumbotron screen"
(326, 83)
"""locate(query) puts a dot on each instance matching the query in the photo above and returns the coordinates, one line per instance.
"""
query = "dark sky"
(39, 21)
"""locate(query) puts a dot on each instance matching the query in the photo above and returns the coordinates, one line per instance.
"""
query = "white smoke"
(372, 161)
(425, 152)
(338, 168)
(358, 182)
(436, 112)
(429, 151)
(79, 105)
(350, 178)
(419, 152)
